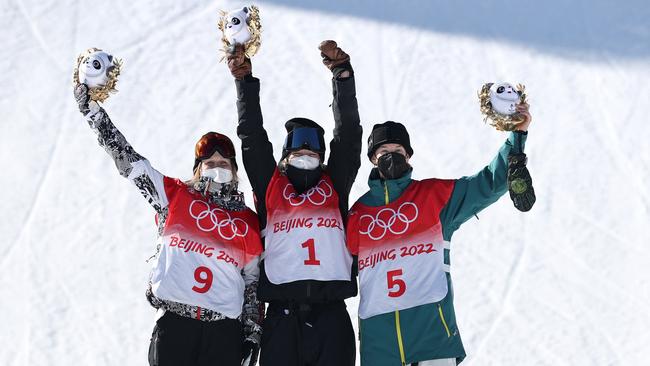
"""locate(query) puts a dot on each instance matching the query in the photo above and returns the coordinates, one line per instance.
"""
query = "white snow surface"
(565, 284)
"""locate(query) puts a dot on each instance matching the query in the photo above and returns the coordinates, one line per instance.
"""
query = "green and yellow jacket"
(429, 331)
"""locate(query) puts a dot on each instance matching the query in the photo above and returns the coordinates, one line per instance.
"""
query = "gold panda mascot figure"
(99, 71)
(499, 105)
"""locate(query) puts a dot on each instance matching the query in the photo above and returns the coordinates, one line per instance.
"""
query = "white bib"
(203, 250)
(191, 272)
(305, 237)
(401, 249)
(401, 276)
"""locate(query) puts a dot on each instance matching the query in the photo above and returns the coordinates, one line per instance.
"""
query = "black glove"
(82, 97)
(250, 350)
(520, 184)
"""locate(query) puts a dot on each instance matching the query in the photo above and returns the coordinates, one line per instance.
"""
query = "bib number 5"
(396, 286)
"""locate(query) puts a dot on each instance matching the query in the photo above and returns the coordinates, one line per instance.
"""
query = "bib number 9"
(203, 276)
(393, 282)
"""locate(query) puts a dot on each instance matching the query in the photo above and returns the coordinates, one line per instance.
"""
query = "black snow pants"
(307, 335)
(178, 340)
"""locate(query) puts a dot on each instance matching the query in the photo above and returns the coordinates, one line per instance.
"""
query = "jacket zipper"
(400, 344)
(444, 322)
(386, 197)
(398, 327)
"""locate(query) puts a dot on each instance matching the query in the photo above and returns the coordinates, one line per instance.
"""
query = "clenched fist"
(520, 184)
(82, 97)
(335, 59)
(523, 110)
(238, 63)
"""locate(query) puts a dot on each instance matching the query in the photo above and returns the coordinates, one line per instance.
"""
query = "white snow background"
(565, 284)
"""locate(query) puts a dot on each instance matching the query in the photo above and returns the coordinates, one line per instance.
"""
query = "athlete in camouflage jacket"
(192, 334)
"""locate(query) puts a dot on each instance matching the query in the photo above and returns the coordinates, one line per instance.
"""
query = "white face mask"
(304, 162)
(218, 175)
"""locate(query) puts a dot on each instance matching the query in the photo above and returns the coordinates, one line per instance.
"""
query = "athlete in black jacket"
(305, 276)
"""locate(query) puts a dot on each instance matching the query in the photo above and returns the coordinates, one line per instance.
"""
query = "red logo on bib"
(388, 220)
(210, 219)
(317, 195)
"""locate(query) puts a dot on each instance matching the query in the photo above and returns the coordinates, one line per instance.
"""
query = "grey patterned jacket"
(149, 181)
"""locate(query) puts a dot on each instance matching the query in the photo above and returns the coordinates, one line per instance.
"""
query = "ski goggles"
(213, 142)
(304, 138)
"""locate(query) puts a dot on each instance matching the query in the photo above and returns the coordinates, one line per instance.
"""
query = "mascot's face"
(94, 70)
(504, 98)
(237, 26)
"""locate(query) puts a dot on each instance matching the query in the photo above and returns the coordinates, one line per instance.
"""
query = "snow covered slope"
(566, 284)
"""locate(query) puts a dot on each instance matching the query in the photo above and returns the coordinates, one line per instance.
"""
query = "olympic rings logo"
(209, 219)
(317, 195)
(389, 220)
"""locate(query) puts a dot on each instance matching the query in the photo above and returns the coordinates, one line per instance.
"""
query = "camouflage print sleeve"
(253, 310)
(129, 163)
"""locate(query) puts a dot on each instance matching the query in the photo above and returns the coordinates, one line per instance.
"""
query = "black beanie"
(388, 132)
(299, 122)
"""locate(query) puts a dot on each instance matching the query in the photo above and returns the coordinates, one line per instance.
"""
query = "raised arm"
(257, 151)
(345, 148)
(129, 163)
(473, 194)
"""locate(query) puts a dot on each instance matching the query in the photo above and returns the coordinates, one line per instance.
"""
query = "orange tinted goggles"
(213, 142)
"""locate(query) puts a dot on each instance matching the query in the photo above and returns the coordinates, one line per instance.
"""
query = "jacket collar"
(395, 187)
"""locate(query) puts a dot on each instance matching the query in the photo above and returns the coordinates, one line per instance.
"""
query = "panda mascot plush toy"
(241, 26)
(504, 98)
(499, 105)
(236, 29)
(99, 70)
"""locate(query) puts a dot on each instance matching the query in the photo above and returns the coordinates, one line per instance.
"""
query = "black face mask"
(392, 165)
(303, 179)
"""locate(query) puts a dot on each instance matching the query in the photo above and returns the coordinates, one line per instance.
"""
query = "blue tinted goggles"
(304, 138)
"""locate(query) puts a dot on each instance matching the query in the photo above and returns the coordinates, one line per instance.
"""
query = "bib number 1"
(311, 249)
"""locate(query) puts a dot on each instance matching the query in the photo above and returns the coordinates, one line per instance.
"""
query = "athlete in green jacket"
(401, 229)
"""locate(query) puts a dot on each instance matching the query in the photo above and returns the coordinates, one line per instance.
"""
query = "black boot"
(520, 184)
